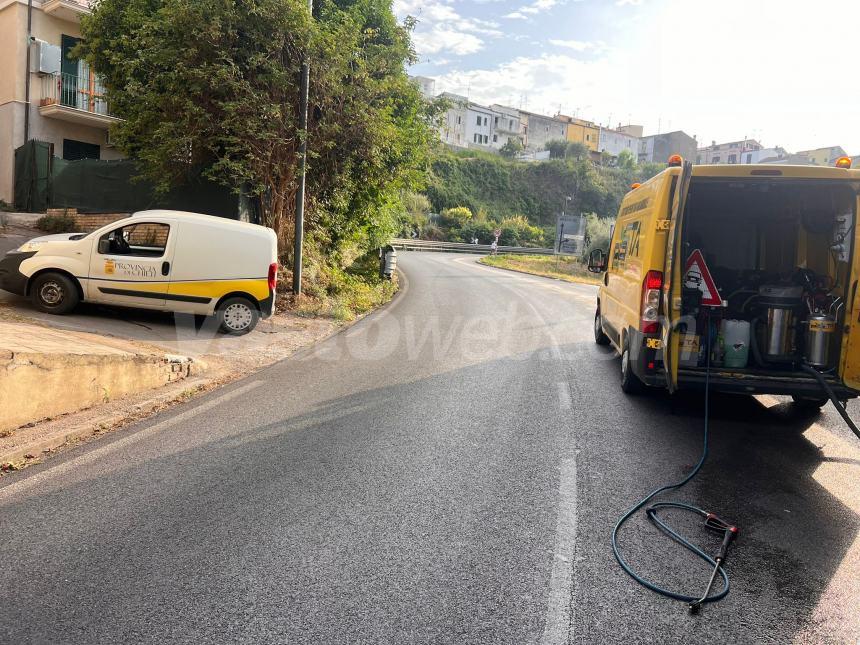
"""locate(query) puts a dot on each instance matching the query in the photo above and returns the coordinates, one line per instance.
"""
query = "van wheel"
(237, 316)
(599, 337)
(809, 402)
(630, 383)
(54, 293)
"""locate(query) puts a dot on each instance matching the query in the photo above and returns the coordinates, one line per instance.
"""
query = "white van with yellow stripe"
(158, 259)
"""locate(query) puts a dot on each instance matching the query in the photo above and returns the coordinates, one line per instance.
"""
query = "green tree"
(211, 87)
(511, 148)
(557, 148)
(576, 150)
(626, 161)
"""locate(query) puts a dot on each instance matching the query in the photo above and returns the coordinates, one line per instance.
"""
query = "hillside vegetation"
(524, 197)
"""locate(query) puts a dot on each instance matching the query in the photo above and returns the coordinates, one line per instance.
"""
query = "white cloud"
(535, 7)
(442, 29)
(580, 45)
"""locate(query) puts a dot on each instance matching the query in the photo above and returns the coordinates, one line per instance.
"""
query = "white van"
(158, 259)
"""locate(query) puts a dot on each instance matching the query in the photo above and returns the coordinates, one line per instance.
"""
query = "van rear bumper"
(743, 383)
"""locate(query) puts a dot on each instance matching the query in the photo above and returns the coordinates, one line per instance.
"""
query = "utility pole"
(303, 162)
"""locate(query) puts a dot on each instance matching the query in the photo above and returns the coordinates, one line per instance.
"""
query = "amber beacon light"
(676, 160)
(843, 162)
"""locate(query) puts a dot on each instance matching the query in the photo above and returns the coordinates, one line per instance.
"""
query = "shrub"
(57, 224)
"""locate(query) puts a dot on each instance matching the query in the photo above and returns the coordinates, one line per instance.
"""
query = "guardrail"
(405, 244)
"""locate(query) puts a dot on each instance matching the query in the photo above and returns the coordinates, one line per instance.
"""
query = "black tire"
(809, 402)
(630, 383)
(237, 316)
(599, 337)
(54, 293)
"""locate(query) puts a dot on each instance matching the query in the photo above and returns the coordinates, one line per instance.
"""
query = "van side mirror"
(597, 261)
(104, 246)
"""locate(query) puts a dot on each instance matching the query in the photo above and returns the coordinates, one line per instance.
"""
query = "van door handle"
(165, 268)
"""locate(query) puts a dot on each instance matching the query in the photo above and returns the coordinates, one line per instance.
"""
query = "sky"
(780, 71)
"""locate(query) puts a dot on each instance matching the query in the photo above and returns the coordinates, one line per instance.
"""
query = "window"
(749, 158)
(458, 120)
(475, 137)
(74, 150)
(715, 159)
(495, 138)
(496, 121)
(486, 120)
(733, 158)
(486, 139)
(479, 120)
(143, 239)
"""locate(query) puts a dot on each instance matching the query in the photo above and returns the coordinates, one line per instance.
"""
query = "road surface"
(446, 471)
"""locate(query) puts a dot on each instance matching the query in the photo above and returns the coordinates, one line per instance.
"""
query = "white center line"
(557, 622)
(563, 395)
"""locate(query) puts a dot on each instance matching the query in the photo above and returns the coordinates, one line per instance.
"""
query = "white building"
(479, 127)
(509, 123)
(453, 128)
(426, 85)
(614, 141)
(732, 152)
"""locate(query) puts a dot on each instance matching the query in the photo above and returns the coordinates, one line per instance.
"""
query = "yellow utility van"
(159, 259)
(748, 271)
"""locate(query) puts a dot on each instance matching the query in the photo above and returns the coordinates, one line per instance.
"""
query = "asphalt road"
(446, 471)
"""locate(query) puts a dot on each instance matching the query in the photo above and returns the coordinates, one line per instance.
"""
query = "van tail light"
(273, 276)
(651, 285)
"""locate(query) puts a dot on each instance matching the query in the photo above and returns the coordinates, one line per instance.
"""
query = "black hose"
(652, 515)
(830, 394)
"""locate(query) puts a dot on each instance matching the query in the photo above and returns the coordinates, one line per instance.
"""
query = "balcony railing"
(79, 91)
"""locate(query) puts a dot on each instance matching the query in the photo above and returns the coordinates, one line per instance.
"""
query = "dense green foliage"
(505, 188)
(212, 87)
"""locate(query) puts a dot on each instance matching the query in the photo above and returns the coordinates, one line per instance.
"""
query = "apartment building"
(826, 156)
(728, 153)
(47, 95)
(614, 141)
(509, 123)
(581, 131)
(542, 129)
(453, 128)
(659, 147)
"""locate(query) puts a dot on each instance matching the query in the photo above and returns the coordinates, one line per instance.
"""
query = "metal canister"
(819, 331)
(781, 303)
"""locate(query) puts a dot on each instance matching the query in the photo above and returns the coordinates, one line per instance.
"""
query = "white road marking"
(557, 622)
(92, 456)
(563, 395)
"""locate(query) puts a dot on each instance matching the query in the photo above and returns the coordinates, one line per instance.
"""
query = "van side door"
(850, 371)
(130, 264)
(672, 278)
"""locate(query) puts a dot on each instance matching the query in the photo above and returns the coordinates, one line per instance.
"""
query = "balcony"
(69, 10)
(75, 98)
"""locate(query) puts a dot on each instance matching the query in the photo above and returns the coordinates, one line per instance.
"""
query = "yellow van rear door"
(851, 352)
(672, 270)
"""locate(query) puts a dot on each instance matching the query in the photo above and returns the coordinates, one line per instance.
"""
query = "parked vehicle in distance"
(775, 244)
(158, 259)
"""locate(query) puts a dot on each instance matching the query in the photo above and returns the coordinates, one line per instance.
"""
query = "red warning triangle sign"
(697, 276)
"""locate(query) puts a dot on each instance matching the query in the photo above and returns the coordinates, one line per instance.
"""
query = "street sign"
(570, 235)
(697, 276)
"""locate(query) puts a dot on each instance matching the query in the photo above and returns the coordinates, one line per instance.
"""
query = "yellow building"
(823, 156)
(581, 131)
(55, 99)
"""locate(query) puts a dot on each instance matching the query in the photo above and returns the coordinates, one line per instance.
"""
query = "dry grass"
(562, 267)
